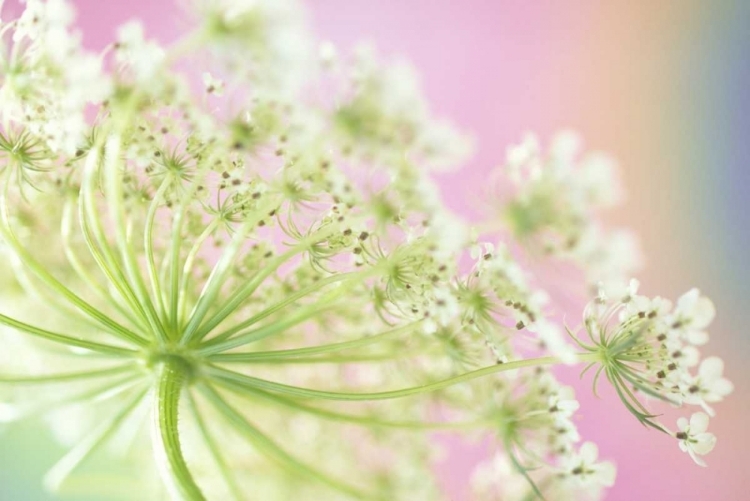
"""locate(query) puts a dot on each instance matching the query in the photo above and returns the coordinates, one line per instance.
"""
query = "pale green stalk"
(312, 350)
(291, 298)
(148, 245)
(114, 196)
(269, 448)
(215, 450)
(351, 418)
(262, 384)
(66, 231)
(57, 475)
(53, 283)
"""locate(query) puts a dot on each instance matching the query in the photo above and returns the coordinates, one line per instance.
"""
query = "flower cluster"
(554, 208)
(265, 267)
(652, 347)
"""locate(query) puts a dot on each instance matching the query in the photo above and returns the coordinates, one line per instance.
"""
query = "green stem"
(66, 231)
(64, 339)
(173, 378)
(273, 451)
(100, 393)
(114, 195)
(258, 356)
(352, 418)
(262, 384)
(60, 472)
(352, 359)
(148, 245)
(265, 331)
(188, 266)
(37, 269)
(217, 278)
(215, 450)
(178, 220)
(239, 296)
(243, 293)
(71, 376)
(282, 304)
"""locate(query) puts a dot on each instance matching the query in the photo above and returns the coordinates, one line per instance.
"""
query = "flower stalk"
(174, 375)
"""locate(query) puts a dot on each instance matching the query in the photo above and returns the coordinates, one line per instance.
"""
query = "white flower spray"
(253, 291)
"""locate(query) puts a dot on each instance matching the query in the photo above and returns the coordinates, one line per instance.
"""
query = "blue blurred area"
(716, 96)
(27, 451)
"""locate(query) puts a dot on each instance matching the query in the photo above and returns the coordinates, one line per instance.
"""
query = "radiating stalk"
(187, 268)
(65, 377)
(12, 241)
(352, 418)
(273, 451)
(148, 246)
(114, 196)
(262, 384)
(66, 227)
(65, 339)
(224, 468)
(271, 329)
(312, 350)
(291, 298)
(57, 475)
(241, 295)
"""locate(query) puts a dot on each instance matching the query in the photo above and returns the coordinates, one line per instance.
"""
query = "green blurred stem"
(253, 383)
(173, 378)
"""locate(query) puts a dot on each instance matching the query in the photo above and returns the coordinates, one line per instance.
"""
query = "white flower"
(327, 53)
(521, 158)
(599, 180)
(497, 478)
(566, 145)
(213, 85)
(584, 469)
(709, 385)
(563, 403)
(39, 19)
(693, 436)
(443, 309)
(618, 290)
(554, 341)
(692, 315)
(142, 56)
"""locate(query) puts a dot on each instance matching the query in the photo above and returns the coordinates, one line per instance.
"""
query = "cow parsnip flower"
(255, 292)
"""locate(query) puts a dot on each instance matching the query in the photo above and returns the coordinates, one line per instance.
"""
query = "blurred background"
(663, 86)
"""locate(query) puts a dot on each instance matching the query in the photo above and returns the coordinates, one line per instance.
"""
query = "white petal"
(720, 389)
(698, 423)
(697, 460)
(697, 338)
(703, 313)
(706, 443)
(682, 424)
(711, 368)
(687, 301)
(607, 473)
(589, 452)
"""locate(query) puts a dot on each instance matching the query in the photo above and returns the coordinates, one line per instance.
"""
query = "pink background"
(661, 85)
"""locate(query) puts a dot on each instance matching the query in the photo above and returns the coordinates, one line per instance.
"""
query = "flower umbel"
(266, 269)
